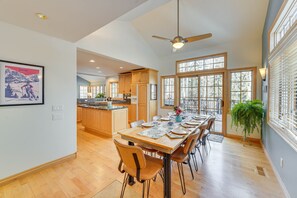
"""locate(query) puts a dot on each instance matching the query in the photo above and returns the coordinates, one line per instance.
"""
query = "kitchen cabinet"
(78, 114)
(104, 122)
(140, 76)
(125, 83)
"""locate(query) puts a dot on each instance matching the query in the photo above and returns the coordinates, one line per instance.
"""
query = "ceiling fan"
(178, 41)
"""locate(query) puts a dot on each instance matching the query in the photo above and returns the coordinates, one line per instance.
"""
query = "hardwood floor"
(230, 170)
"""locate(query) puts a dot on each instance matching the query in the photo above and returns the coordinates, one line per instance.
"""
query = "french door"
(204, 94)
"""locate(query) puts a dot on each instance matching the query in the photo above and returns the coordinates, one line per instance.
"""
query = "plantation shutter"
(283, 86)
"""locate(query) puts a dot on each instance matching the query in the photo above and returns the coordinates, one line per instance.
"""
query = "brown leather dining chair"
(136, 164)
(206, 134)
(183, 154)
(150, 151)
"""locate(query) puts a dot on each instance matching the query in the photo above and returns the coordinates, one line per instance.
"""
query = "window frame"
(110, 89)
(224, 54)
(162, 106)
(285, 41)
(80, 92)
(254, 82)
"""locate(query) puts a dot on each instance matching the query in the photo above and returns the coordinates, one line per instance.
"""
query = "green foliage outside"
(100, 95)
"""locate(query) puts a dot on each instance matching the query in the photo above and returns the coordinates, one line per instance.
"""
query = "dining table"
(158, 135)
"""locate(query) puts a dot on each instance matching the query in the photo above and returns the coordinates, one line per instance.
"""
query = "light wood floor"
(230, 170)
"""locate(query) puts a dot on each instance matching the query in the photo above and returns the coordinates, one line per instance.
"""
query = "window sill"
(289, 138)
(167, 107)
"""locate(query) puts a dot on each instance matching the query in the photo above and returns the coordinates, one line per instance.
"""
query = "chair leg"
(125, 181)
(189, 163)
(148, 188)
(195, 160)
(143, 189)
(200, 154)
(209, 143)
(181, 177)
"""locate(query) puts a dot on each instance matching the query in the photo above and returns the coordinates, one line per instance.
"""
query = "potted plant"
(248, 115)
(100, 95)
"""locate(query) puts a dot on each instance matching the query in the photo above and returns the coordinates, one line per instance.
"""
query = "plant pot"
(178, 118)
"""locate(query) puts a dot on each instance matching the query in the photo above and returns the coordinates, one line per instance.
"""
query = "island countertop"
(102, 107)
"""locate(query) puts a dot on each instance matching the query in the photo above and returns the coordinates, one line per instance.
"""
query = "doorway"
(204, 94)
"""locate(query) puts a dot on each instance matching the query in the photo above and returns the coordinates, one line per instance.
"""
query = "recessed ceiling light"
(41, 16)
(97, 67)
(121, 67)
(92, 61)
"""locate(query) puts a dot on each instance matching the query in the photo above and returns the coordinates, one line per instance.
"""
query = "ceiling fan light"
(178, 45)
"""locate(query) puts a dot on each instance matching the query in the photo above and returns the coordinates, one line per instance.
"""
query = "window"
(201, 63)
(189, 94)
(282, 109)
(114, 89)
(95, 90)
(241, 86)
(168, 85)
(153, 92)
(83, 91)
(286, 20)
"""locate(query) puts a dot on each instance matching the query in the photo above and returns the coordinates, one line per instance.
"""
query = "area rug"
(113, 190)
(216, 138)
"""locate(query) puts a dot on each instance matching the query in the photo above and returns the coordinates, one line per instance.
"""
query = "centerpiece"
(178, 110)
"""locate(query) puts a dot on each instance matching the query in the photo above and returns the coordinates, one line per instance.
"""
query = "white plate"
(179, 131)
(147, 124)
(173, 136)
(193, 123)
(187, 125)
(165, 119)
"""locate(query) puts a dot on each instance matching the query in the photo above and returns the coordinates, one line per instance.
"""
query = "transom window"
(201, 63)
(288, 18)
(241, 86)
(168, 85)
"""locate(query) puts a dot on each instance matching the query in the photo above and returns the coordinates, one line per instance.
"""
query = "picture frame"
(21, 84)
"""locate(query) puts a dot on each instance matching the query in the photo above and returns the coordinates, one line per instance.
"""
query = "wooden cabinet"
(142, 112)
(78, 114)
(140, 76)
(133, 89)
(105, 122)
(125, 83)
(142, 102)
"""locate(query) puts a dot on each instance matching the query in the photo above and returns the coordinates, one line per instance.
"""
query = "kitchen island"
(103, 120)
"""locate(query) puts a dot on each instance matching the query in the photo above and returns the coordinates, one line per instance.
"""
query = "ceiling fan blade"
(197, 38)
(163, 38)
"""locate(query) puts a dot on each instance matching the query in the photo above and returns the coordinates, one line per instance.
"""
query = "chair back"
(155, 118)
(136, 123)
(191, 142)
(202, 129)
(210, 123)
(132, 156)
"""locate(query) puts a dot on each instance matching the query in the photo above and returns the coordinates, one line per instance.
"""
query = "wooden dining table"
(164, 144)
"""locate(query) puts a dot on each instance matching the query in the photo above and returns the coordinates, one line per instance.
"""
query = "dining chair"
(151, 151)
(157, 117)
(202, 129)
(205, 136)
(183, 155)
(136, 123)
(136, 164)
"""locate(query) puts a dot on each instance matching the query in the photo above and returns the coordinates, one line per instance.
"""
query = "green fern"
(248, 115)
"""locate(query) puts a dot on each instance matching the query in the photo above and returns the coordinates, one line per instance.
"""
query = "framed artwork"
(21, 84)
(153, 92)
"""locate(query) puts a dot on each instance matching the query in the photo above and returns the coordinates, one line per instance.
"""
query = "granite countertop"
(102, 107)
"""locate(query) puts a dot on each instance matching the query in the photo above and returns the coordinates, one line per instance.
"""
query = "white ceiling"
(227, 20)
(70, 20)
(108, 66)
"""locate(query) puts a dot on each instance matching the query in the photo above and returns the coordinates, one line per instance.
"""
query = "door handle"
(222, 103)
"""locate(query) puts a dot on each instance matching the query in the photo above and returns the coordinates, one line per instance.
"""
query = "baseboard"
(36, 169)
(279, 179)
(238, 137)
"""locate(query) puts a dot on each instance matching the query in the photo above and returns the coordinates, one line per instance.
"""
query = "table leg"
(167, 175)
(131, 179)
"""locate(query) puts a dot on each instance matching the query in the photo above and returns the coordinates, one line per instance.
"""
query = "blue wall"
(81, 82)
(274, 144)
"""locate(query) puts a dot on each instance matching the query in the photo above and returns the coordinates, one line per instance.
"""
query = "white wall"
(29, 137)
(120, 40)
(239, 54)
